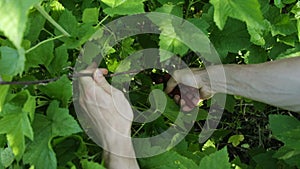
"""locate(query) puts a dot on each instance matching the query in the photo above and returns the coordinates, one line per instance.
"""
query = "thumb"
(101, 81)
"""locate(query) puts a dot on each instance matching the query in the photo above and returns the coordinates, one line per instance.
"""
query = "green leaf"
(62, 124)
(256, 35)
(168, 39)
(126, 7)
(286, 129)
(289, 53)
(127, 48)
(69, 148)
(170, 9)
(13, 17)
(168, 160)
(279, 3)
(30, 105)
(35, 24)
(247, 11)
(256, 54)
(58, 122)
(68, 21)
(158, 102)
(11, 61)
(6, 157)
(3, 90)
(80, 33)
(283, 25)
(90, 165)
(43, 55)
(232, 38)
(113, 3)
(60, 60)
(220, 156)
(289, 155)
(265, 160)
(17, 126)
(296, 11)
(236, 139)
(200, 23)
(64, 93)
(90, 15)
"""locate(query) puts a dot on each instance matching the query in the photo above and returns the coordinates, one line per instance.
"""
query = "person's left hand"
(107, 111)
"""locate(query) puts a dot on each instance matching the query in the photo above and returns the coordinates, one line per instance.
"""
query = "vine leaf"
(286, 129)
(13, 19)
(247, 11)
(17, 126)
(90, 15)
(210, 161)
(232, 38)
(235, 140)
(11, 61)
(58, 122)
(127, 7)
(113, 3)
(41, 55)
(168, 160)
(90, 165)
(64, 93)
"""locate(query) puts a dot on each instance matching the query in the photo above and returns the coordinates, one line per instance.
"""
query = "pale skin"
(276, 83)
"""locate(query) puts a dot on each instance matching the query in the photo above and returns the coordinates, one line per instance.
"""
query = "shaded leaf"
(58, 122)
(6, 157)
(59, 90)
(43, 55)
(232, 38)
(11, 61)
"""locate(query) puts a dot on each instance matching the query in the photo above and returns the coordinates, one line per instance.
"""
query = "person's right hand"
(195, 88)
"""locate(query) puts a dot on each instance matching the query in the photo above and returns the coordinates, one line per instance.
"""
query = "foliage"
(41, 39)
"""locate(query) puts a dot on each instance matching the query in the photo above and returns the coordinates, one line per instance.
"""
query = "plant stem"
(51, 20)
(102, 20)
(45, 41)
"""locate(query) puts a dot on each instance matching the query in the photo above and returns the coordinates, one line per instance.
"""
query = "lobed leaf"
(58, 122)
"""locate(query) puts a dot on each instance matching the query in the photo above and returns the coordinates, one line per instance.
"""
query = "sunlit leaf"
(13, 17)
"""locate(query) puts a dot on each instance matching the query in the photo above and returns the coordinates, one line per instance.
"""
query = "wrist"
(120, 155)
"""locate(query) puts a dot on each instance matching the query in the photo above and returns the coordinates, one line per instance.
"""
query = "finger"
(177, 98)
(171, 84)
(186, 108)
(205, 93)
(101, 81)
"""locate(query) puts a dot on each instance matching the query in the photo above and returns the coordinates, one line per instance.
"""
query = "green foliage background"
(41, 39)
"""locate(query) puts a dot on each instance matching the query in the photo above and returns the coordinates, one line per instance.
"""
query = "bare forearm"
(120, 155)
(276, 83)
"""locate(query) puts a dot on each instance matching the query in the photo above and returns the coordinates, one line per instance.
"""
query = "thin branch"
(75, 75)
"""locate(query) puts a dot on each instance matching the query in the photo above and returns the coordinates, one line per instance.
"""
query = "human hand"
(194, 87)
(107, 111)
